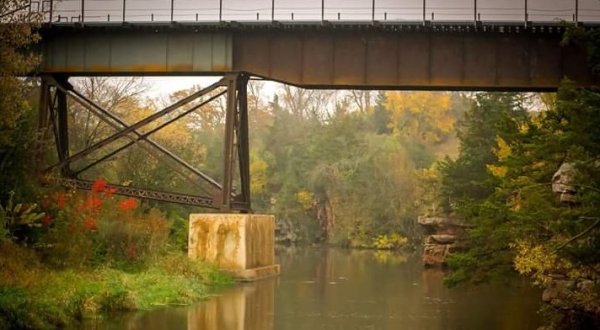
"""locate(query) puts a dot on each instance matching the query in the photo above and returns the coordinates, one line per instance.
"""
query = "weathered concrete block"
(240, 244)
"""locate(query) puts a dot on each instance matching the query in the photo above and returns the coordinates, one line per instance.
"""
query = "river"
(329, 288)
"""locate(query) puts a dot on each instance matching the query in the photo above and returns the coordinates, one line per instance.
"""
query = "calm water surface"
(326, 288)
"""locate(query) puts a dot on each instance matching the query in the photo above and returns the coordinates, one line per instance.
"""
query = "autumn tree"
(17, 127)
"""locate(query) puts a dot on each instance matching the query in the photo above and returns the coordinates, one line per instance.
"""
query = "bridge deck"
(373, 55)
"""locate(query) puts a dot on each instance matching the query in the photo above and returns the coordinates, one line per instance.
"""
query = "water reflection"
(358, 289)
(323, 288)
(247, 306)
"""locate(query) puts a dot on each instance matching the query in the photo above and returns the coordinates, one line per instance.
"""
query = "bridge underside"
(325, 56)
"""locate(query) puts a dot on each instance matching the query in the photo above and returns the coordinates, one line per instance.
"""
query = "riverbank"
(34, 296)
(334, 288)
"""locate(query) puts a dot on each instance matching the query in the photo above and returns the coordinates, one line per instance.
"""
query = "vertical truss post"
(62, 138)
(230, 124)
(236, 141)
(43, 116)
(243, 143)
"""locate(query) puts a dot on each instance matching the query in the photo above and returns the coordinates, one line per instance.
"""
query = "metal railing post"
(526, 17)
(82, 11)
(576, 11)
(124, 7)
(373, 11)
(424, 6)
(51, 10)
(172, 8)
(272, 10)
(322, 10)
(220, 10)
(475, 12)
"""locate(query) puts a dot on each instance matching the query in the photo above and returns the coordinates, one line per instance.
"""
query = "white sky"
(161, 87)
(246, 10)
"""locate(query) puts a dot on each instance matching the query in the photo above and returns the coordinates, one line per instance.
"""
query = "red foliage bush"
(99, 227)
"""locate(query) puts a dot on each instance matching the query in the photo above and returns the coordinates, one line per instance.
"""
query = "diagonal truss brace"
(104, 142)
(144, 136)
(236, 141)
(119, 124)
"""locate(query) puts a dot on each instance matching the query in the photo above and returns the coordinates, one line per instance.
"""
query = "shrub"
(388, 242)
(18, 222)
(97, 227)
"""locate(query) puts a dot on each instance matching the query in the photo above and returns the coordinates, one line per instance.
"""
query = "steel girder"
(53, 114)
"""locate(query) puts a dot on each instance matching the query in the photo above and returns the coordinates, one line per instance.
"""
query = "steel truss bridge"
(518, 55)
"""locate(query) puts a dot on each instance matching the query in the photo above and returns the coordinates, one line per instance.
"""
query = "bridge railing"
(425, 11)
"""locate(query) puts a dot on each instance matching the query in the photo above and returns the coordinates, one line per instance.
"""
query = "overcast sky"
(407, 10)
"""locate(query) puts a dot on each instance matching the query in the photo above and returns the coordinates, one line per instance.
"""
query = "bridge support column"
(43, 124)
(242, 245)
(236, 137)
(52, 114)
(61, 128)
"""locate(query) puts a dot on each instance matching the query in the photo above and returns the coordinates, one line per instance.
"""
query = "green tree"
(517, 221)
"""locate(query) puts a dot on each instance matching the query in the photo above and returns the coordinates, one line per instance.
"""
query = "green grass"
(57, 298)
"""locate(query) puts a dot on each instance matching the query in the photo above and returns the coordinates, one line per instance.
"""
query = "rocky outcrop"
(443, 236)
(563, 292)
(285, 232)
(563, 183)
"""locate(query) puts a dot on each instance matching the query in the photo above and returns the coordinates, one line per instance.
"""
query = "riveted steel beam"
(163, 196)
(373, 56)
(236, 132)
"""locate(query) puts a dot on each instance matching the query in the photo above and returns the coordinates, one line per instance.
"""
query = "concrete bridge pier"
(242, 245)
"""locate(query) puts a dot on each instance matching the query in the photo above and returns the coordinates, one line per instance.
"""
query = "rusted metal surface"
(325, 55)
(411, 60)
(53, 109)
(162, 196)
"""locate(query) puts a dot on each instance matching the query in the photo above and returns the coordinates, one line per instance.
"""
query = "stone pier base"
(239, 244)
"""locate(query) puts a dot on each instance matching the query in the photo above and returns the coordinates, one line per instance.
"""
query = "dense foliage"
(338, 167)
(502, 184)
(343, 173)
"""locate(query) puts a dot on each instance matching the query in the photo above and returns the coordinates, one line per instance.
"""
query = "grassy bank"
(69, 256)
(33, 296)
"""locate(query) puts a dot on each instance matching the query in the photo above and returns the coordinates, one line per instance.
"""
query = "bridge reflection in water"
(244, 306)
(247, 306)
